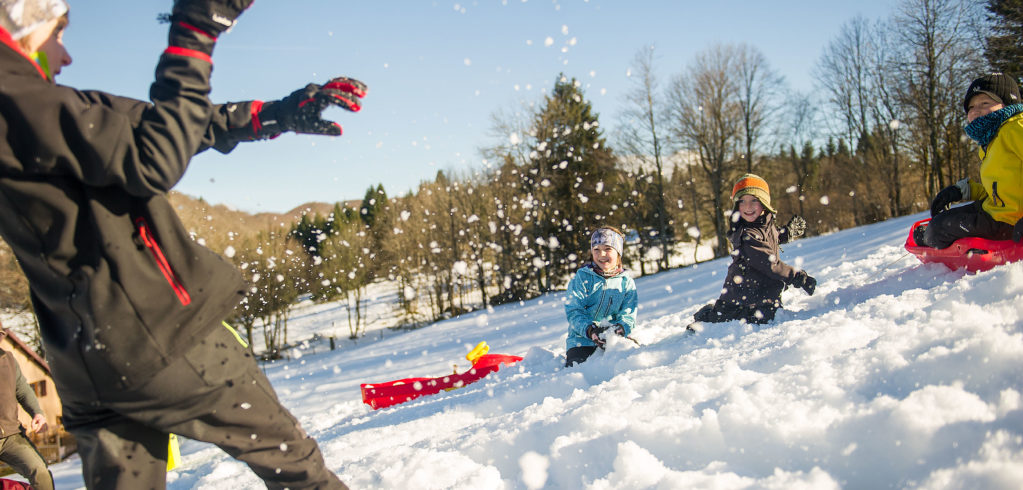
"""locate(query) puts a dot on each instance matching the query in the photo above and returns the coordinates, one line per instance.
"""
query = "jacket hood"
(14, 60)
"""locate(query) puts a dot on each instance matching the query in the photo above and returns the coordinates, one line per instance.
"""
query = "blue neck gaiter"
(984, 128)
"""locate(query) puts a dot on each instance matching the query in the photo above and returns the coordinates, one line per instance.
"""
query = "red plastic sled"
(8, 484)
(381, 395)
(972, 253)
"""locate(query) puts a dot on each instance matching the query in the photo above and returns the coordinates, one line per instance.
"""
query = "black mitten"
(945, 198)
(796, 226)
(804, 281)
(704, 314)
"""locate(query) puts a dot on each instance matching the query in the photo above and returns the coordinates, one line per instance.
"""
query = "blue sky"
(437, 72)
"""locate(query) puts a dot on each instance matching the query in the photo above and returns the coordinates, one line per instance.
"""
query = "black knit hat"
(998, 86)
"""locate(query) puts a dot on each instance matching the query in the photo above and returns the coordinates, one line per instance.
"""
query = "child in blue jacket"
(600, 297)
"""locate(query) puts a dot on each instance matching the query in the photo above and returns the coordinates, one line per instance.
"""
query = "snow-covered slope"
(893, 375)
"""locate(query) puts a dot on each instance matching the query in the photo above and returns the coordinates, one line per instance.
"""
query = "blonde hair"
(62, 22)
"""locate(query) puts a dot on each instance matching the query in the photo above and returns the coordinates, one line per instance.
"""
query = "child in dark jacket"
(129, 305)
(600, 297)
(756, 276)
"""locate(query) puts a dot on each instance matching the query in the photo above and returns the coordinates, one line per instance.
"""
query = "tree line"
(879, 134)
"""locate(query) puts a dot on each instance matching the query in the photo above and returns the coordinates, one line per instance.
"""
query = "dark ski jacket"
(756, 277)
(14, 391)
(118, 285)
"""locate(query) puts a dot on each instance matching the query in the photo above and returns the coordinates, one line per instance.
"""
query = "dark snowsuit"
(129, 306)
(756, 277)
(15, 448)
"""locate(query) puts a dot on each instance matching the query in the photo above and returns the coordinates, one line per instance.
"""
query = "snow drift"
(894, 374)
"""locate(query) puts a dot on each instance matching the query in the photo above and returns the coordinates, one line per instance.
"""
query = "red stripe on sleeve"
(196, 29)
(191, 53)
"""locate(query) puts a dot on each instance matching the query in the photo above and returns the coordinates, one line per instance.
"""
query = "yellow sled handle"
(479, 351)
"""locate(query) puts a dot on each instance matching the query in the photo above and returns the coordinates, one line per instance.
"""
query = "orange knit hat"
(755, 186)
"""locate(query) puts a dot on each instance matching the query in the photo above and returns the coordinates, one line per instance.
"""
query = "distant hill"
(206, 219)
(311, 208)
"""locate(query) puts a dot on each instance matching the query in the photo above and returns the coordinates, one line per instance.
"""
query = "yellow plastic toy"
(480, 350)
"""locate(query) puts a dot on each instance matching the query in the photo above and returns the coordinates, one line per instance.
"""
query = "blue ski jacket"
(593, 298)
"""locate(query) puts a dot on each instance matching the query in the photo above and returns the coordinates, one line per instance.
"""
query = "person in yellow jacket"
(994, 117)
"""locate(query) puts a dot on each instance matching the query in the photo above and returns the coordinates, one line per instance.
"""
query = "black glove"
(804, 281)
(210, 16)
(704, 313)
(619, 330)
(944, 198)
(593, 333)
(301, 111)
(796, 227)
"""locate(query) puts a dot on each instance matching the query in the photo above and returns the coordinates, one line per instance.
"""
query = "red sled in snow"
(970, 253)
(380, 395)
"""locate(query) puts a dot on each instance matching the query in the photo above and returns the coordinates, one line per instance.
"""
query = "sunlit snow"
(893, 375)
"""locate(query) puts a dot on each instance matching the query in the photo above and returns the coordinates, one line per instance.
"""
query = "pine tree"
(572, 172)
(373, 203)
(1003, 49)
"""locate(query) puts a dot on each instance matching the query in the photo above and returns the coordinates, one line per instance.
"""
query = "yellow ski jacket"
(1001, 174)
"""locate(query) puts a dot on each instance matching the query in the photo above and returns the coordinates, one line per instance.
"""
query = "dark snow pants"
(964, 221)
(19, 452)
(214, 393)
(759, 312)
(579, 354)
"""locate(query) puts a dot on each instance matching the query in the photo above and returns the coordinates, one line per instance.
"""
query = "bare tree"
(514, 183)
(843, 72)
(274, 267)
(759, 87)
(640, 138)
(888, 114)
(705, 118)
(800, 121)
(944, 53)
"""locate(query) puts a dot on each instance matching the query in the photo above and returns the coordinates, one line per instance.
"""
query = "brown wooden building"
(56, 443)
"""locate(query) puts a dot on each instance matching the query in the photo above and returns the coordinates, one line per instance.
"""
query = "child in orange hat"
(756, 276)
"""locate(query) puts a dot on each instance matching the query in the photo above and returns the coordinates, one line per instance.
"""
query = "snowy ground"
(893, 375)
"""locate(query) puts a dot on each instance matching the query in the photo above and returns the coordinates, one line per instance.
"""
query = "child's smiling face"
(750, 208)
(605, 257)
